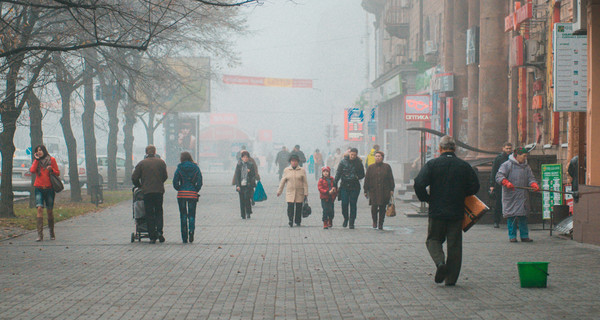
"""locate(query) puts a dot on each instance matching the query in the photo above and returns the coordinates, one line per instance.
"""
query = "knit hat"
(326, 168)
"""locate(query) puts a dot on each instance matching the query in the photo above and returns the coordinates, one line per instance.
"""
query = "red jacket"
(325, 184)
(42, 180)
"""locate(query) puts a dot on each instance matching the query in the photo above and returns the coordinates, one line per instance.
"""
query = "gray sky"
(323, 40)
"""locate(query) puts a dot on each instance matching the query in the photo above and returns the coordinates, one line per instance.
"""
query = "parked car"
(21, 177)
(103, 170)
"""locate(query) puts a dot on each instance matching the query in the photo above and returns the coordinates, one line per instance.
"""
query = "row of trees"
(57, 48)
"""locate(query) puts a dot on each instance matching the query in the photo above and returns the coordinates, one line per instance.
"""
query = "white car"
(103, 170)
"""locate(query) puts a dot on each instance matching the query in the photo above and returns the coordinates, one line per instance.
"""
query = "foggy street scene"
(299, 159)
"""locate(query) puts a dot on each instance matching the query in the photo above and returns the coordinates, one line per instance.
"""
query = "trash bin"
(533, 274)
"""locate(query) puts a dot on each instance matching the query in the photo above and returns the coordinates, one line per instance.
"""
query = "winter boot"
(40, 229)
(325, 224)
(330, 223)
(51, 226)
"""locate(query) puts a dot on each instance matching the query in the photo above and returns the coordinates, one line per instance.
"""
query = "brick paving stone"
(263, 269)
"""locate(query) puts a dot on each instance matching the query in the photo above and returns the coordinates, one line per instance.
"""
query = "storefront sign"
(417, 108)
(551, 180)
(353, 124)
(516, 52)
(267, 82)
(443, 82)
(520, 15)
(224, 118)
(391, 88)
(570, 69)
(473, 45)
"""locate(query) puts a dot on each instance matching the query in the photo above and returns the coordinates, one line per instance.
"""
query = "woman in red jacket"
(43, 166)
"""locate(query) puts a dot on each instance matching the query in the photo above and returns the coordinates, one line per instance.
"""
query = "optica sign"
(417, 108)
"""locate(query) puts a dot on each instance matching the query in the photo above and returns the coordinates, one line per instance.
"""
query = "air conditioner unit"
(534, 51)
(580, 17)
(405, 3)
(430, 47)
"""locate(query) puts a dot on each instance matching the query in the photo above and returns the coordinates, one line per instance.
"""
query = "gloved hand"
(535, 187)
(507, 184)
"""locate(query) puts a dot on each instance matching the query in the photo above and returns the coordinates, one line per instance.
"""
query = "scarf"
(43, 163)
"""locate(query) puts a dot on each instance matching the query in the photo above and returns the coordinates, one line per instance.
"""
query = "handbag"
(57, 185)
(259, 192)
(306, 210)
(390, 211)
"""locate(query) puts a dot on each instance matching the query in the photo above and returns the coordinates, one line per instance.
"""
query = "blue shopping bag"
(259, 193)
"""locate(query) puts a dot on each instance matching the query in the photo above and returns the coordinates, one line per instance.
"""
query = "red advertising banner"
(267, 82)
(265, 135)
(223, 118)
(520, 15)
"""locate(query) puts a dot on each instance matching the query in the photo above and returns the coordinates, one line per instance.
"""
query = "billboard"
(417, 108)
(570, 69)
(353, 124)
(267, 82)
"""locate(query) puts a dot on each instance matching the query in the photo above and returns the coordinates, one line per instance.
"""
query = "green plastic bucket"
(533, 274)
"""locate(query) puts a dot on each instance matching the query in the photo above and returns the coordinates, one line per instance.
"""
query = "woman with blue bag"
(188, 182)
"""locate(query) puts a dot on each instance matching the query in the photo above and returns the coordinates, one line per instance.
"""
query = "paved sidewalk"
(262, 269)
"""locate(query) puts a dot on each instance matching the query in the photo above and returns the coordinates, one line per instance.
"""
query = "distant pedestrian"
(371, 156)
(270, 160)
(283, 160)
(327, 195)
(255, 163)
(495, 188)
(319, 163)
(450, 181)
(150, 175)
(379, 188)
(43, 166)
(294, 177)
(301, 157)
(349, 172)
(238, 155)
(515, 202)
(188, 182)
(245, 181)
(337, 158)
(311, 164)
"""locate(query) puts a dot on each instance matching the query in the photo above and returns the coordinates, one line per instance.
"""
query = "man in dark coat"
(450, 180)
(283, 160)
(349, 172)
(150, 175)
(495, 188)
(299, 154)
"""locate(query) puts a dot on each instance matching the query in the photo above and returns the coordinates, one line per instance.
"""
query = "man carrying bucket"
(450, 180)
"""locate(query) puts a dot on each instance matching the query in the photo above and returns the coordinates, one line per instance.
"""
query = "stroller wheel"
(132, 237)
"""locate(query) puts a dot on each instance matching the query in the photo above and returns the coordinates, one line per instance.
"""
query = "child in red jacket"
(327, 194)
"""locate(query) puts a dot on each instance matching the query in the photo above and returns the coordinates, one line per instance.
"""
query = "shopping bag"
(390, 211)
(306, 210)
(259, 192)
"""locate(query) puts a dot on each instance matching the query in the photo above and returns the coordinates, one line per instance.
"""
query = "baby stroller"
(141, 227)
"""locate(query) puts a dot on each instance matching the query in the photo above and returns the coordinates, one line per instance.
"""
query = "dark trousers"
(378, 212)
(498, 207)
(153, 203)
(187, 215)
(327, 206)
(294, 212)
(438, 232)
(349, 197)
(245, 203)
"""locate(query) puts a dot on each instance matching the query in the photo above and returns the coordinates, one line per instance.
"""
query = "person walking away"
(188, 182)
(319, 163)
(337, 158)
(371, 156)
(450, 181)
(327, 195)
(43, 166)
(245, 181)
(283, 160)
(150, 175)
(296, 191)
(495, 188)
(379, 188)
(301, 157)
(348, 174)
(515, 202)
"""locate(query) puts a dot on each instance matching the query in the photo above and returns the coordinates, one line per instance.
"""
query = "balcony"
(396, 20)
(373, 6)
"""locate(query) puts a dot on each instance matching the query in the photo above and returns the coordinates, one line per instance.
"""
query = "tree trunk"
(65, 90)
(150, 128)
(36, 134)
(87, 119)
(111, 95)
(128, 132)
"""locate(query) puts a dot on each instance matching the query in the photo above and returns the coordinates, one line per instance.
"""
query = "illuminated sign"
(353, 124)
(417, 108)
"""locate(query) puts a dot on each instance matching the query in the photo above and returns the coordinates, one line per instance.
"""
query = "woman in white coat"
(297, 190)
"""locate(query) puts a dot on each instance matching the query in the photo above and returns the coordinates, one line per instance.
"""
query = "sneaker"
(330, 223)
(496, 225)
(325, 224)
(161, 239)
(526, 240)
(440, 273)
(345, 224)
(374, 225)
(513, 240)
(191, 237)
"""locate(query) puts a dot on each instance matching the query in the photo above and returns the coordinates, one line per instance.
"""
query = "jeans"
(245, 203)
(44, 196)
(517, 222)
(378, 212)
(187, 215)
(438, 231)
(349, 197)
(153, 203)
(327, 206)
(297, 215)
